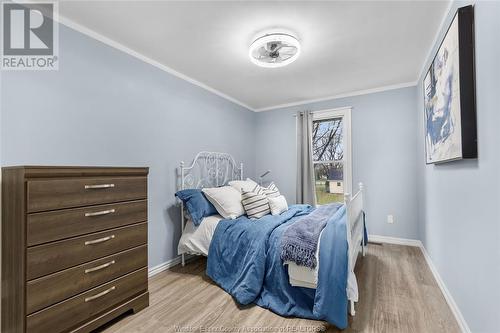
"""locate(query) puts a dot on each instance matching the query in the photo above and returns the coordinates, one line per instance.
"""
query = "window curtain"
(305, 168)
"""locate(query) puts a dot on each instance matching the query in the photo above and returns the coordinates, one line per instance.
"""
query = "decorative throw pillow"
(196, 204)
(258, 189)
(256, 205)
(227, 201)
(247, 185)
(272, 191)
(277, 204)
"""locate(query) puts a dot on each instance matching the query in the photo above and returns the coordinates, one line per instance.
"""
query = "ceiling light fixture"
(274, 50)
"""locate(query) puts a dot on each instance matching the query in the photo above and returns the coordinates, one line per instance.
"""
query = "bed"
(217, 169)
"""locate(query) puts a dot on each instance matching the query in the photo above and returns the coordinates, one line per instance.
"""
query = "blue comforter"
(244, 259)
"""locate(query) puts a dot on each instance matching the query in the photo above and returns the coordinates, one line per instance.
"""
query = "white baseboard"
(394, 240)
(378, 239)
(446, 293)
(163, 266)
(168, 264)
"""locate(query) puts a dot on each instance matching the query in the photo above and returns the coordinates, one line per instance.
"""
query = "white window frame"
(345, 114)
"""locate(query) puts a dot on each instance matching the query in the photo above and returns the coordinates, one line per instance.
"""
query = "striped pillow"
(257, 189)
(255, 204)
(272, 191)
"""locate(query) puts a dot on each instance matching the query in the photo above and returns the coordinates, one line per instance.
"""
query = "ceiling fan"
(274, 50)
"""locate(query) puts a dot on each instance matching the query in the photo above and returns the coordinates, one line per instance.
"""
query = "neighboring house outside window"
(332, 154)
(335, 182)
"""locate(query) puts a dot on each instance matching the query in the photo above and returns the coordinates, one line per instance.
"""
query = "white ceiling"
(347, 46)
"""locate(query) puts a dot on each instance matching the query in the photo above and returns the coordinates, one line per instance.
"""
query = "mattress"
(301, 276)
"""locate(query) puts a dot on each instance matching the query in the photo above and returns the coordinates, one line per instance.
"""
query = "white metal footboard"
(355, 231)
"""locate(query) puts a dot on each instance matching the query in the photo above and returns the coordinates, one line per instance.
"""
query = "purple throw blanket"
(300, 240)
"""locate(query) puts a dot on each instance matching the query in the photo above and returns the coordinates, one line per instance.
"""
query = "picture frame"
(449, 94)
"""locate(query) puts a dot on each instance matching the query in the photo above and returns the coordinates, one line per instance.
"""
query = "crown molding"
(110, 42)
(348, 94)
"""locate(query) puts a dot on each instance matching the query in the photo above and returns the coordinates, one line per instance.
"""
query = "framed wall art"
(449, 94)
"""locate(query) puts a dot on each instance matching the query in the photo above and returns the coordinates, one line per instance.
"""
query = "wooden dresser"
(74, 247)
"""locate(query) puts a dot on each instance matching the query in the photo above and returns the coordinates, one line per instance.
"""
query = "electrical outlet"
(390, 219)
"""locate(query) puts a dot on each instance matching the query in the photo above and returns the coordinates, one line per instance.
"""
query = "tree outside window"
(328, 160)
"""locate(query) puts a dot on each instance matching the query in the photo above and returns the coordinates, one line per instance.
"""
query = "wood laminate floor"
(397, 294)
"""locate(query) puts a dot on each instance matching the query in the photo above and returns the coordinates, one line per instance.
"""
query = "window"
(331, 155)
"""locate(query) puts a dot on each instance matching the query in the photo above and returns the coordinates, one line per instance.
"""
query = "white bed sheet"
(196, 240)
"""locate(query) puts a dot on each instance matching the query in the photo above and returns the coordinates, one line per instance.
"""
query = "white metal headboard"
(209, 169)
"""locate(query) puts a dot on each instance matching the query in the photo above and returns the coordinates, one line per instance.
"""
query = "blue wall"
(104, 107)
(384, 159)
(459, 202)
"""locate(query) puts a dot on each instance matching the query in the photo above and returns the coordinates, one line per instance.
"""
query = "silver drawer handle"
(100, 240)
(91, 298)
(91, 187)
(102, 212)
(90, 270)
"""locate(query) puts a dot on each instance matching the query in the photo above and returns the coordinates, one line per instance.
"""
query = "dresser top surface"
(76, 171)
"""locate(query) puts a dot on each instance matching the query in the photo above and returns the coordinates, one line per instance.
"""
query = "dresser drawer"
(56, 287)
(55, 225)
(53, 257)
(50, 194)
(78, 309)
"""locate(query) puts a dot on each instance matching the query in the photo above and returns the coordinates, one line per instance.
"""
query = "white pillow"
(277, 204)
(227, 201)
(244, 185)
